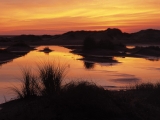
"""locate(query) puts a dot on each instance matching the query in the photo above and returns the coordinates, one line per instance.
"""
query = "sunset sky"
(59, 16)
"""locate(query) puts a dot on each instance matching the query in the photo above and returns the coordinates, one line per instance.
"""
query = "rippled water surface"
(128, 71)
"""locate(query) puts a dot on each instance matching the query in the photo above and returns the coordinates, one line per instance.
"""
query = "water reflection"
(99, 59)
(126, 80)
(103, 71)
(89, 65)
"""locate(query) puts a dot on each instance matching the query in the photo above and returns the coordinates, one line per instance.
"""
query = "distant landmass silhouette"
(113, 34)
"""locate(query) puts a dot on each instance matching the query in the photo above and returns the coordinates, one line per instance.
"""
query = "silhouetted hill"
(111, 34)
(77, 37)
(31, 38)
(143, 36)
(20, 46)
(146, 36)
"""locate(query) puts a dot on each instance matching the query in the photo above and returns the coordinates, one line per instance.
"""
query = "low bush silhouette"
(89, 43)
(106, 44)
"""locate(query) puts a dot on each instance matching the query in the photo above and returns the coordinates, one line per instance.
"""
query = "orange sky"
(59, 16)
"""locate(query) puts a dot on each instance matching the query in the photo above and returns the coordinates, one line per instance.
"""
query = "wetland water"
(128, 71)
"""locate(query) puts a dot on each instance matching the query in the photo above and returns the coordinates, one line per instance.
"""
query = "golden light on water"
(128, 71)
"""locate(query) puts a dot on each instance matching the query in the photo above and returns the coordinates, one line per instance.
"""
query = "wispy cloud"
(74, 14)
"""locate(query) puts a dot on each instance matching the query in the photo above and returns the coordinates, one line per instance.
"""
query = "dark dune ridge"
(20, 46)
(148, 36)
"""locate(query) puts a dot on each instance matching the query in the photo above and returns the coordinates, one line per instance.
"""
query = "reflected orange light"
(105, 74)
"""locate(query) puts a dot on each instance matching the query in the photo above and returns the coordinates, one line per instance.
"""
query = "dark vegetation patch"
(14, 51)
(6, 55)
(26, 38)
(148, 51)
(108, 47)
(20, 46)
(100, 51)
(90, 43)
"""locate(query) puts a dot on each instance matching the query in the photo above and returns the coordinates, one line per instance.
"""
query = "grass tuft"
(47, 83)
(51, 76)
(29, 87)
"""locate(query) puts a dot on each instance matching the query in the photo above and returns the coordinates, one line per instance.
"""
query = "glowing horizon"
(56, 17)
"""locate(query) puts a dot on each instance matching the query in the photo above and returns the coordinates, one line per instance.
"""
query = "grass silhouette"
(29, 87)
(51, 76)
(46, 83)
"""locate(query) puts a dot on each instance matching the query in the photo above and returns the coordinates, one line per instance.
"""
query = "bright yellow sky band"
(59, 16)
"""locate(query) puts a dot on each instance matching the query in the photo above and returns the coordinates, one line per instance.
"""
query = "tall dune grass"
(30, 85)
(51, 76)
(46, 83)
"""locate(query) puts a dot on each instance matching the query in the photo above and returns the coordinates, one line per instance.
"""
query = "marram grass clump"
(51, 77)
(29, 85)
(46, 83)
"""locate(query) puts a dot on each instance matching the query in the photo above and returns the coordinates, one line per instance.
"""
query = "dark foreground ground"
(85, 101)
